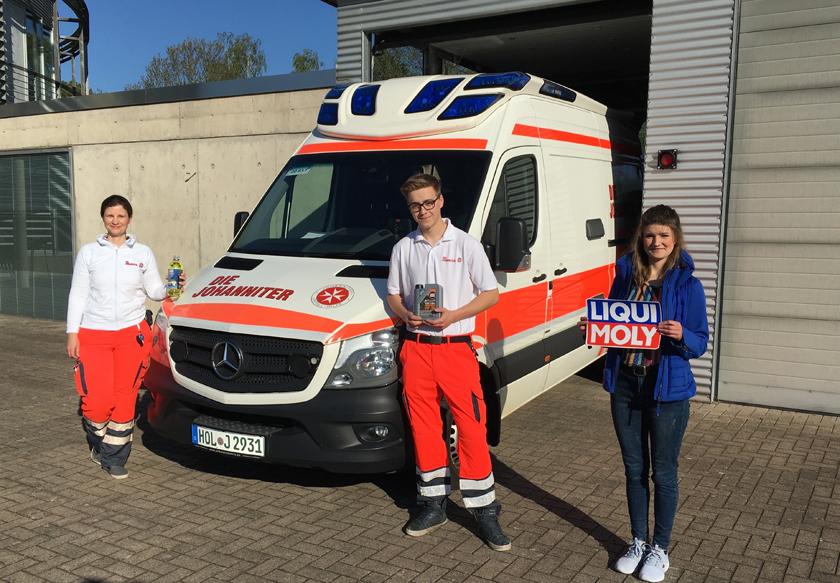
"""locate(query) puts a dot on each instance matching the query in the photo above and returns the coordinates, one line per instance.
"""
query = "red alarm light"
(666, 159)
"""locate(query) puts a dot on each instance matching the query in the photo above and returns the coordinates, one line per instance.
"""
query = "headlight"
(159, 349)
(366, 361)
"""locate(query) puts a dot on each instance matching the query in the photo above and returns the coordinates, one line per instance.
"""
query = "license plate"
(251, 445)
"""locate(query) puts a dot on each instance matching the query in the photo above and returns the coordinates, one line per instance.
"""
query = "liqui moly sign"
(623, 324)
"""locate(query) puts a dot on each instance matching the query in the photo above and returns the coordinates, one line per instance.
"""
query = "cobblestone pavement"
(760, 499)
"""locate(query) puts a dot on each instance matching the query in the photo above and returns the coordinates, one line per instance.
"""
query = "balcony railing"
(25, 85)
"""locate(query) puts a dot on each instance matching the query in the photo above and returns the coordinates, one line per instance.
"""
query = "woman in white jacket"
(108, 335)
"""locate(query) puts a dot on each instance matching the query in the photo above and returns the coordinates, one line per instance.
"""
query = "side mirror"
(512, 254)
(239, 220)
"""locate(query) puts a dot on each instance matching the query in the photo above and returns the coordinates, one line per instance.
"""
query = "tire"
(450, 437)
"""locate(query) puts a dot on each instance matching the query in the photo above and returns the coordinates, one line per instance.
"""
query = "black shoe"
(432, 516)
(94, 456)
(489, 529)
(117, 472)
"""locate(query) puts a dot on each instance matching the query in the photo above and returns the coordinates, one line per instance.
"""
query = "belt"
(426, 339)
(637, 369)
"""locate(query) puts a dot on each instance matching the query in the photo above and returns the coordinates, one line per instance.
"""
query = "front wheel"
(450, 438)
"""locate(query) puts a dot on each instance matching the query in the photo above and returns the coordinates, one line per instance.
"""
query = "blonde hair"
(657, 215)
(419, 181)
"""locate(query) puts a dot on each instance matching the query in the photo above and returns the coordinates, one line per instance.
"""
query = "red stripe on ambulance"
(248, 315)
(559, 136)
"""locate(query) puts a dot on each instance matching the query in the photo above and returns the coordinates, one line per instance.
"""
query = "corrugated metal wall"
(2, 56)
(687, 109)
(780, 335)
(40, 8)
(357, 20)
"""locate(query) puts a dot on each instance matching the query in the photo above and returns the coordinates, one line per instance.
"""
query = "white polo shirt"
(457, 262)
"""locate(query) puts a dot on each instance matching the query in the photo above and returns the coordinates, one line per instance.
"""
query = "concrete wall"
(186, 167)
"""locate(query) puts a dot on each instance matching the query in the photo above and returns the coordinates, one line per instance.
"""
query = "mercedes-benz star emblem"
(227, 360)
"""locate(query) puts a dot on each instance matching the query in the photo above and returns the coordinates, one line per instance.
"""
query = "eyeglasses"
(426, 204)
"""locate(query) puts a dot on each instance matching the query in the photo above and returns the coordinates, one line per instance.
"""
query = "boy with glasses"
(438, 359)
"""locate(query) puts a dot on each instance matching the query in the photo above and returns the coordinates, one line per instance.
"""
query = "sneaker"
(432, 517)
(117, 472)
(655, 564)
(94, 456)
(489, 529)
(629, 562)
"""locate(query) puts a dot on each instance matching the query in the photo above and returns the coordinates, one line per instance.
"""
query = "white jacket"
(108, 284)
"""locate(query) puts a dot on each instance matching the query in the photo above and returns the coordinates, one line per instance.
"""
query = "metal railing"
(25, 85)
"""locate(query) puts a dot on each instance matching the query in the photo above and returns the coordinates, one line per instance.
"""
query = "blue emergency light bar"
(328, 114)
(514, 81)
(336, 92)
(469, 106)
(432, 94)
(557, 91)
(364, 100)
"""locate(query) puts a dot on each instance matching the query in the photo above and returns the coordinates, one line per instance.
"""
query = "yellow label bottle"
(173, 287)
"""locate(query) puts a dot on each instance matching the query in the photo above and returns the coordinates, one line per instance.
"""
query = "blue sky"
(125, 34)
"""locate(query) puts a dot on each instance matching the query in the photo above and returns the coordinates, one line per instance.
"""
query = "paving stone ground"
(760, 498)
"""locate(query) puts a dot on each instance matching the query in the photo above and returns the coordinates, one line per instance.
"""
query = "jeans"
(648, 441)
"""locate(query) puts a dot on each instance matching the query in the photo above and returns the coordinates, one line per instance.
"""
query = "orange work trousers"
(111, 367)
(430, 372)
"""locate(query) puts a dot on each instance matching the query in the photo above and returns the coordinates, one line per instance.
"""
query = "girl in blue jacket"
(650, 389)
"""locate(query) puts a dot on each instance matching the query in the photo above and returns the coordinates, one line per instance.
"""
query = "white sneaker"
(655, 564)
(628, 563)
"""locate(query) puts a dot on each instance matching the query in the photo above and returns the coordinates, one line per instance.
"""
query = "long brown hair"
(657, 215)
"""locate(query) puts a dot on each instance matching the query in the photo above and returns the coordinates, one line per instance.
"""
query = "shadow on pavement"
(515, 482)
(399, 486)
(594, 372)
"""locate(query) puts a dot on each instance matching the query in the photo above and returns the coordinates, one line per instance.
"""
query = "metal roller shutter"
(780, 340)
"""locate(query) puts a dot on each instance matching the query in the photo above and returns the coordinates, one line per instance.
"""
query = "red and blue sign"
(623, 324)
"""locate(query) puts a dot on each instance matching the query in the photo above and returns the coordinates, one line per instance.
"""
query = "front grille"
(268, 365)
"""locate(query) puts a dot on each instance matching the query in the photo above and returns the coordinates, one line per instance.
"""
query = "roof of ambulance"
(411, 106)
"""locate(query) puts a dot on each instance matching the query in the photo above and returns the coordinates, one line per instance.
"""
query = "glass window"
(349, 204)
(39, 60)
(36, 242)
(516, 196)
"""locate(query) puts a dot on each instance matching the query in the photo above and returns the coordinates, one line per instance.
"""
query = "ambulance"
(285, 350)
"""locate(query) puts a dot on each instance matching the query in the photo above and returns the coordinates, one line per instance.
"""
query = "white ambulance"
(285, 350)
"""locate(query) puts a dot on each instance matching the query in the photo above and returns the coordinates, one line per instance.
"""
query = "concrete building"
(746, 91)
(187, 157)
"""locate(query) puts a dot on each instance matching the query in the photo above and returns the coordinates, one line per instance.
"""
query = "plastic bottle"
(172, 284)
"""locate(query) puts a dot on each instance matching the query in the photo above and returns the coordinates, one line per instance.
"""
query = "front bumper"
(329, 431)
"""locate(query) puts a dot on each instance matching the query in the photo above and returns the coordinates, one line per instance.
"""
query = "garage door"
(780, 323)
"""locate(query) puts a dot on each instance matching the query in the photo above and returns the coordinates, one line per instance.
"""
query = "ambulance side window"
(311, 194)
(516, 196)
(277, 220)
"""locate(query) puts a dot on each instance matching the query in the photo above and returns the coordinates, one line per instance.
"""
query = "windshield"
(349, 205)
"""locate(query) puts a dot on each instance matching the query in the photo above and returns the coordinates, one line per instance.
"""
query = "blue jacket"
(683, 300)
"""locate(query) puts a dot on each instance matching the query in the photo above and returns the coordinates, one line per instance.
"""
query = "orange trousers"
(108, 375)
(430, 372)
